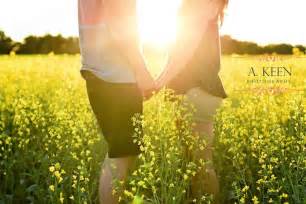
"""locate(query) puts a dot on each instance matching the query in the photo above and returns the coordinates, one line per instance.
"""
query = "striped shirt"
(99, 53)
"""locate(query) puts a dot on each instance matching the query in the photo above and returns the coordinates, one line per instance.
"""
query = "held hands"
(145, 83)
(162, 80)
(148, 85)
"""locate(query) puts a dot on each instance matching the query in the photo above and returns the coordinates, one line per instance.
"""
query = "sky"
(261, 21)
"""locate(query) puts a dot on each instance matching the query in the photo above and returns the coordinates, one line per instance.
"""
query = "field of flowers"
(51, 149)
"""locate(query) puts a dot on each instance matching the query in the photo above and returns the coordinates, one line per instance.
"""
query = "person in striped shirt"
(117, 81)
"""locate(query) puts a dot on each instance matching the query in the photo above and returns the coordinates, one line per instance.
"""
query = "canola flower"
(51, 138)
(51, 149)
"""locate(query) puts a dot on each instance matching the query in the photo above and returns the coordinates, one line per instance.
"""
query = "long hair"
(222, 8)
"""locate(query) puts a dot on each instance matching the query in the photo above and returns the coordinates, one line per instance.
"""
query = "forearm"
(183, 51)
(189, 38)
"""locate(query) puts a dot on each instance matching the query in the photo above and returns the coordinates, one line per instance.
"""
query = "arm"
(189, 37)
(122, 21)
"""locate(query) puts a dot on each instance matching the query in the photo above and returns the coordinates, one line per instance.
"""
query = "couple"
(117, 79)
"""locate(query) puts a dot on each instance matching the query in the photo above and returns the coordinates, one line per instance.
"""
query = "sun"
(157, 21)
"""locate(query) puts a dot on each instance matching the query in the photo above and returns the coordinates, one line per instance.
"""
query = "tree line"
(39, 45)
(232, 46)
(70, 45)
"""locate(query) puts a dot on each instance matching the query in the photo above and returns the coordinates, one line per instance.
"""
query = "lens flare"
(157, 21)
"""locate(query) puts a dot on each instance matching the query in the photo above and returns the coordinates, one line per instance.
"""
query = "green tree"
(48, 43)
(6, 43)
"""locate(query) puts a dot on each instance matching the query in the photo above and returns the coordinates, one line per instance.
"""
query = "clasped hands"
(148, 85)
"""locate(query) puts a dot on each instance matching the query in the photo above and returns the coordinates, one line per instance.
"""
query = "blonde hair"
(223, 6)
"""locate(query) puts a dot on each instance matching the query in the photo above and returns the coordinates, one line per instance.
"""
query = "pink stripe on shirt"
(90, 12)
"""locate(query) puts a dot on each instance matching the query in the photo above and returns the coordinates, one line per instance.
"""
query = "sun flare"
(157, 21)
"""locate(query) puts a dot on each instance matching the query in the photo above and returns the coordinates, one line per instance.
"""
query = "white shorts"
(205, 104)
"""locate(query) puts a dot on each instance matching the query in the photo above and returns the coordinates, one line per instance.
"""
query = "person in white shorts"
(192, 69)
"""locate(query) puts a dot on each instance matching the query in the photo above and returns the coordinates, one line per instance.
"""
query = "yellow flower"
(57, 174)
(57, 166)
(61, 197)
(245, 188)
(255, 200)
(51, 169)
(140, 183)
(284, 195)
(51, 187)
(128, 194)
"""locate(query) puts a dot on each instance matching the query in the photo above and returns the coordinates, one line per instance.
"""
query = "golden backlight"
(157, 21)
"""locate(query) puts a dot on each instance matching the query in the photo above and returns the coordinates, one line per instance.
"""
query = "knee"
(121, 167)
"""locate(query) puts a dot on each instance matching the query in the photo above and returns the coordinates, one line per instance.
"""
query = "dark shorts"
(114, 105)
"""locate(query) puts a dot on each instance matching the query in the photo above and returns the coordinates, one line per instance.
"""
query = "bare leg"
(206, 180)
(115, 168)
